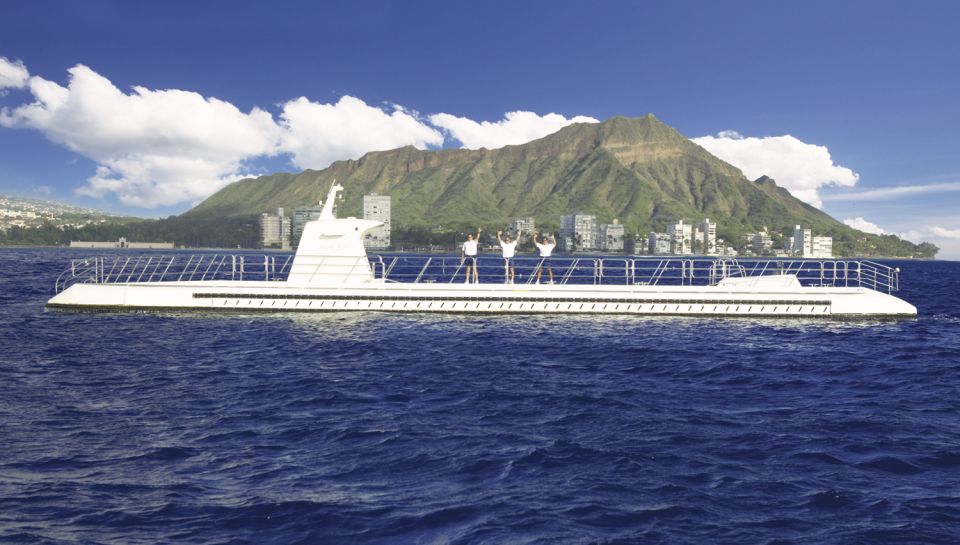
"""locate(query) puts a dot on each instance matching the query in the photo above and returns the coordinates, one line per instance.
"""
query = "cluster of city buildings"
(801, 244)
(17, 212)
(581, 232)
(284, 232)
(578, 232)
(804, 244)
(684, 238)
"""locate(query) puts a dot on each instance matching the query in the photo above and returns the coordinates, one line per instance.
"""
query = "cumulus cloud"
(165, 147)
(861, 224)
(515, 128)
(947, 238)
(942, 232)
(13, 74)
(318, 134)
(800, 167)
(154, 147)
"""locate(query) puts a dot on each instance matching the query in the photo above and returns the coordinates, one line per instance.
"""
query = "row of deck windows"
(482, 299)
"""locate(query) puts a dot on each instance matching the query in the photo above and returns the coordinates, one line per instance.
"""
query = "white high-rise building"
(802, 245)
(522, 225)
(611, 236)
(275, 230)
(578, 232)
(681, 235)
(707, 239)
(377, 208)
(658, 243)
(822, 247)
(762, 243)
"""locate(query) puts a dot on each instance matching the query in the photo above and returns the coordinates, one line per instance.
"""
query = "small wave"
(821, 457)
(891, 464)
(945, 459)
(829, 499)
(167, 454)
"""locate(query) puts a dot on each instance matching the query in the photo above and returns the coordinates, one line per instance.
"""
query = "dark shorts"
(545, 261)
(470, 261)
(508, 262)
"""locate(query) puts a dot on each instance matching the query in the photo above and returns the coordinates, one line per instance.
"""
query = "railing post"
(184, 271)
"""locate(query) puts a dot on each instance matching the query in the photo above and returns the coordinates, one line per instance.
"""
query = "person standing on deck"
(509, 250)
(549, 243)
(468, 257)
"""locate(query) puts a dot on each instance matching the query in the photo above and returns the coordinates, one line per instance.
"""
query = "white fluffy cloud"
(947, 238)
(153, 147)
(932, 232)
(514, 128)
(165, 147)
(863, 225)
(799, 167)
(13, 74)
(319, 134)
(941, 232)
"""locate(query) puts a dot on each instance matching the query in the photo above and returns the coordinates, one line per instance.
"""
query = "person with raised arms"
(468, 257)
(549, 243)
(509, 250)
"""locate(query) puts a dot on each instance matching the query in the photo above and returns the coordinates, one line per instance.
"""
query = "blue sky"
(872, 84)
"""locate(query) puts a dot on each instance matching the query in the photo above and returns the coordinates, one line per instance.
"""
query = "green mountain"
(639, 170)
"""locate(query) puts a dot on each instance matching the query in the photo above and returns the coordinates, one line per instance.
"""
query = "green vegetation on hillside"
(639, 170)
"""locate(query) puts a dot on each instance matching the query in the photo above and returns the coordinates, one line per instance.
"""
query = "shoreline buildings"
(658, 243)
(762, 243)
(121, 243)
(611, 236)
(686, 239)
(581, 232)
(706, 240)
(377, 207)
(804, 244)
(275, 230)
(577, 232)
(522, 225)
(681, 238)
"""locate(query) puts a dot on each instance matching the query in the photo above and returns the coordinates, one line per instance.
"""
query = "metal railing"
(631, 270)
(174, 268)
(641, 271)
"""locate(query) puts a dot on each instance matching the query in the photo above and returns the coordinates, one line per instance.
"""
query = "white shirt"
(470, 248)
(545, 249)
(509, 248)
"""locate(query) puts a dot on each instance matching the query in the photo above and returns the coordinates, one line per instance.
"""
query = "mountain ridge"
(639, 170)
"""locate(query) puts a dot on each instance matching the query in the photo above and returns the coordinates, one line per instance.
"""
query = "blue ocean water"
(380, 428)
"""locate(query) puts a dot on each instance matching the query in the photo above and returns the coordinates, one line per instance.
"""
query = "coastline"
(183, 249)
